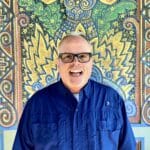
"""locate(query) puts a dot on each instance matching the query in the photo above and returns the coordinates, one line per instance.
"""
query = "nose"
(75, 60)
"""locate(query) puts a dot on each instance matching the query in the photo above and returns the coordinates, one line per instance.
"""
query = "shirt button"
(107, 103)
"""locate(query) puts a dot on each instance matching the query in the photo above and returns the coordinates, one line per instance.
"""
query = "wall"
(119, 31)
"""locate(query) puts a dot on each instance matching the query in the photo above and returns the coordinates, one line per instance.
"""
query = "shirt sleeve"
(23, 138)
(127, 139)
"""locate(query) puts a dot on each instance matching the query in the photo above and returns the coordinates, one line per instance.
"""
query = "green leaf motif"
(120, 8)
(103, 15)
(48, 16)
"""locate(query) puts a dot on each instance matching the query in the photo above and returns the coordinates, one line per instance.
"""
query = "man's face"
(75, 74)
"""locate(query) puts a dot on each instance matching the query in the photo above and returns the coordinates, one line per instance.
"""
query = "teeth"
(75, 73)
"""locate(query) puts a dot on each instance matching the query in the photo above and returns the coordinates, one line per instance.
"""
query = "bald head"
(74, 37)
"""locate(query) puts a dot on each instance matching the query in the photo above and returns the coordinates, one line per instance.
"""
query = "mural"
(30, 31)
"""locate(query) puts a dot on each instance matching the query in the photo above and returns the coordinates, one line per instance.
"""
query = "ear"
(57, 62)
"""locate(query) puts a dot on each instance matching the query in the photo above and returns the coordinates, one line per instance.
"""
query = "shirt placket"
(76, 144)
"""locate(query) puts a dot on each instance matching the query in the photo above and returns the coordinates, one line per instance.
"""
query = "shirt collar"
(85, 91)
(70, 100)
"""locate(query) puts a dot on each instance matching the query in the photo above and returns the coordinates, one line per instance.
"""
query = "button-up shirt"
(54, 120)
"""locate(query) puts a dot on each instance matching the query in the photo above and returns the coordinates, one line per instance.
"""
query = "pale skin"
(75, 75)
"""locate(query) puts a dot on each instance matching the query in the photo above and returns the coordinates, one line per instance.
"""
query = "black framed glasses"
(69, 57)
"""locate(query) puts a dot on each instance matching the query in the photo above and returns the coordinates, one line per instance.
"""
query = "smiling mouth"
(76, 73)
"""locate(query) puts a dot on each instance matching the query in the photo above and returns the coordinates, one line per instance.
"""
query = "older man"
(75, 113)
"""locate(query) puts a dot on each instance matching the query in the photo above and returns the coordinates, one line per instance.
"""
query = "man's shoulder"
(101, 85)
(104, 88)
(46, 91)
(50, 87)
(106, 93)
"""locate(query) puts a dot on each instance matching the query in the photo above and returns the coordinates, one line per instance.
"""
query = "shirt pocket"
(108, 120)
(45, 133)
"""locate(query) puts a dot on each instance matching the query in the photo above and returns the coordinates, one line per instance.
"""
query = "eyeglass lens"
(69, 57)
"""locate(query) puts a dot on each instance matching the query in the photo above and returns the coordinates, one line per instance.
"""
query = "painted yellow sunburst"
(113, 55)
(40, 60)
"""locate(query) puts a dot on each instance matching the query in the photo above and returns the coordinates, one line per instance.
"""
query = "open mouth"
(76, 73)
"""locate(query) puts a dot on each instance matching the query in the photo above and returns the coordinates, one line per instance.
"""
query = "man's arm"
(23, 139)
(127, 139)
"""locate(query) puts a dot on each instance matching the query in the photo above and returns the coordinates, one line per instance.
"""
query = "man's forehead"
(72, 38)
(75, 41)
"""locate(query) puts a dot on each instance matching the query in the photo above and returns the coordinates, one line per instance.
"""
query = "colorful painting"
(119, 31)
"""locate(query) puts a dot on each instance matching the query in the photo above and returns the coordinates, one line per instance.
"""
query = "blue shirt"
(54, 120)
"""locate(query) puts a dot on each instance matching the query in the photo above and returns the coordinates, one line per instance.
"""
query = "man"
(75, 113)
